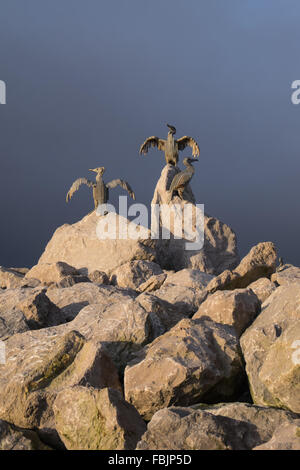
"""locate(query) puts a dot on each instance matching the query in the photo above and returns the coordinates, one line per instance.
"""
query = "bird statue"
(100, 189)
(180, 180)
(171, 146)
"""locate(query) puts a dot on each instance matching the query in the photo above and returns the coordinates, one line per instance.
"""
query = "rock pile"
(105, 344)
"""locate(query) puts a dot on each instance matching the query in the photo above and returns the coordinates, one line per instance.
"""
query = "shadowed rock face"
(221, 426)
(14, 438)
(286, 437)
(90, 419)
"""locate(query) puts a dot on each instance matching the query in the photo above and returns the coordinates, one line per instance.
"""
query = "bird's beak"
(91, 169)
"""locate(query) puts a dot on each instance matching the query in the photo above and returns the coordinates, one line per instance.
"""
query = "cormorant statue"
(100, 189)
(171, 146)
(180, 180)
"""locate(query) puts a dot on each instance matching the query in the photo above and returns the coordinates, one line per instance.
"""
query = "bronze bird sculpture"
(171, 146)
(100, 189)
(180, 180)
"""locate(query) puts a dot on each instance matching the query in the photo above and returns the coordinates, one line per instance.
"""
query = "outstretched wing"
(152, 142)
(75, 186)
(123, 184)
(188, 141)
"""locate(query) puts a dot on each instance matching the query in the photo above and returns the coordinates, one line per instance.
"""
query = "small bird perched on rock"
(170, 146)
(180, 180)
(100, 189)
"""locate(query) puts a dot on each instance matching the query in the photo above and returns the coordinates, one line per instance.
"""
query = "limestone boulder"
(10, 279)
(286, 437)
(286, 275)
(90, 419)
(99, 277)
(134, 273)
(22, 309)
(184, 289)
(271, 350)
(73, 299)
(262, 288)
(261, 421)
(153, 283)
(79, 245)
(237, 308)
(194, 360)
(41, 363)
(14, 438)
(48, 273)
(182, 428)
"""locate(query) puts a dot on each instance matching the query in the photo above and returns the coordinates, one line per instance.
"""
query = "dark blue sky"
(89, 80)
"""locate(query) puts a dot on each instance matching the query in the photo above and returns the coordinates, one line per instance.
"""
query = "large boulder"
(178, 428)
(286, 275)
(41, 363)
(134, 273)
(10, 279)
(90, 419)
(73, 299)
(271, 350)
(261, 421)
(237, 308)
(286, 437)
(194, 360)
(259, 262)
(49, 273)
(22, 309)
(79, 246)
(184, 289)
(262, 288)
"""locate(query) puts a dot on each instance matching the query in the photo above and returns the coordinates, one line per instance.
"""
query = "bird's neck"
(98, 177)
(170, 136)
(189, 166)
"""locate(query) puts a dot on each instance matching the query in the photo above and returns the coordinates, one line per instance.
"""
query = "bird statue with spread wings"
(171, 146)
(100, 189)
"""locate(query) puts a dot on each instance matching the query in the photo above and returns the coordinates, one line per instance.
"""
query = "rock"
(79, 246)
(237, 308)
(39, 311)
(69, 281)
(286, 437)
(260, 262)
(134, 273)
(194, 360)
(10, 279)
(14, 438)
(49, 273)
(153, 283)
(261, 421)
(73, 299)
(20, 270)
(178, 428)
(286, 275)
(184, 289)
(41, 363)
(22, 309)
(99, 277)
(271, 350)
(262, 288)
(220, 246)
(90, 419)
(163, 314)
(124, 328)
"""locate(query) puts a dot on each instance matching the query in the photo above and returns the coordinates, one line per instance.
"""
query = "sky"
(88, 80)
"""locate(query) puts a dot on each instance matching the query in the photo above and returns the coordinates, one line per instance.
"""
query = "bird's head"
(100, 170)
(172, 129)
(189, 160)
